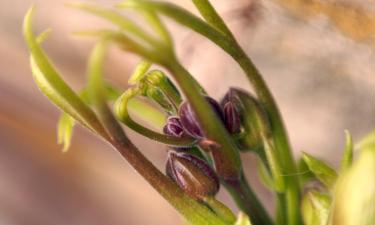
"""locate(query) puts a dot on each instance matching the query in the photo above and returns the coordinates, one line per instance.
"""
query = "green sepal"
(323, 172)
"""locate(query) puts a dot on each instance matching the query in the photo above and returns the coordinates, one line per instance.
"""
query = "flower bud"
(189, 120)
(192, 174)
(252, 116)
(174, 127)
(232, 118)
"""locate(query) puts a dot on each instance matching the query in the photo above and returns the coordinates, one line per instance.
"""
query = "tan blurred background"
(317, 56)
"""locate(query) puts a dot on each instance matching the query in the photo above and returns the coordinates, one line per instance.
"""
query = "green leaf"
(304, 172)
(242, 219)
(51, 84)
(183, 17)
(65, 131)
(315, 208)
(347, 158)
(274, 166)
(321, 170)
(114, 17)
(265, 176)
(211, 16)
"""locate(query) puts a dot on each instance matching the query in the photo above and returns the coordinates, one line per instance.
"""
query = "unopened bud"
(253, 118)
(173, 127)
(232, 118)
(192, 174)
(189, 119)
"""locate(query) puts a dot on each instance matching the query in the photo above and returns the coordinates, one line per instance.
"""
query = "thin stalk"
(248, 202)
(229, 168)
(291, 197)
(192, 210)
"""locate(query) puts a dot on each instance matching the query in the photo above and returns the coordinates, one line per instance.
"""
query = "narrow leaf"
(185, 18)
(51, 84)
(265, 176)
(347, 158)
(116, 18)
(321, 170)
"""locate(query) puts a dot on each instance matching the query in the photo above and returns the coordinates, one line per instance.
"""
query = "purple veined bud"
(173, 127)
(232, 118)
(192, 174)
(189, 120)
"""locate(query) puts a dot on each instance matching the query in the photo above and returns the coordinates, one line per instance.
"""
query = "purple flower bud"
(173, 127)
(192, 174)
(189, 120)
(232, 118)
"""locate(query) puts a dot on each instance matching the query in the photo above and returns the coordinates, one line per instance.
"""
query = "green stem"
(214, 129)
(291, 197)
(193, 211)
(248, 202)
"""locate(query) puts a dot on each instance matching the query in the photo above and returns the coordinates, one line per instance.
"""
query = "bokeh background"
(316, 55)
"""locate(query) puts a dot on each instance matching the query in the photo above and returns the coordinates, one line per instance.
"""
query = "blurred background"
(317, 57)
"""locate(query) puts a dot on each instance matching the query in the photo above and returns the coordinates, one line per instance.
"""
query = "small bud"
(192, 174)
(174, 127)
(232, 118)
(253, 118)
(189, 120)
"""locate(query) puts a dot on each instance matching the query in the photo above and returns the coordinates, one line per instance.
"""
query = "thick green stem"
(248, 202)
(214, 129)
(291, 196)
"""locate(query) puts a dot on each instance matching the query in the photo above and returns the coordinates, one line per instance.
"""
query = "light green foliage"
(321, 170)
(347, 158)
(51, 84)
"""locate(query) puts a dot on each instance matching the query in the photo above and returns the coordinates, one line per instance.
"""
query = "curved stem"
(248, 202)
(195, 212)
(121, 109)
(288, 201)
(229, 165)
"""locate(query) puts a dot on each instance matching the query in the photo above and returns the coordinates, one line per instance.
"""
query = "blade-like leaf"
(321, 170)
(183, 17)
(347, 158)
(51, 84)
(114, 17)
